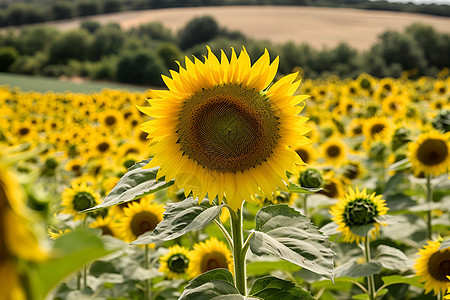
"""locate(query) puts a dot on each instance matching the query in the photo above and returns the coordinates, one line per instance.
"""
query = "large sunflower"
(139, 218)
(358, 208)
(219, 131)
(175, 262)
(430, 154)
(433, 267)
(209, 255)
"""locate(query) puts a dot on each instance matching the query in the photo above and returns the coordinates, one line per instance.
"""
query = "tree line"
(19, 12)
(141, 54)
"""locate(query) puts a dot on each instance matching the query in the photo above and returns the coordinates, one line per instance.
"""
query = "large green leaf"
(180, 218)
(294, 188)
(355, 270)
(259, 268)
(396, 279)
(273, 288)
(392, 258)
(284, 232)
(215, 284)
(71, 252)
(136, 183)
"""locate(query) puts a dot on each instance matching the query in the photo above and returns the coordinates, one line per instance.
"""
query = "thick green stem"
(370, 279)
(239, 254)
(147, 287)
(429, 200)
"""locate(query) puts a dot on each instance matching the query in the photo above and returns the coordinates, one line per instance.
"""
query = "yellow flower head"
(355, 209)
(334, 151)
(430, 154)
(106, 224)
(448, 291)
(209, 255)
(175, 262)
(79, 197)
(219, 130)
(433, 267)
(139, 217)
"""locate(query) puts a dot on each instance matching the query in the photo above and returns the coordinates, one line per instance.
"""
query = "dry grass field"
(317, 26)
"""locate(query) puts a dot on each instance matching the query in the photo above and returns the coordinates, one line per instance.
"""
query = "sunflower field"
(234, 182)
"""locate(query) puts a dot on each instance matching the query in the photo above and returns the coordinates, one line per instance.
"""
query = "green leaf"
(355, 270)
(396, 279)
(180, 218)
(393, 183)
(361, 297)
(259, 268)
(340, 284)
(392, 258)
(294, 188)
(400, 165)
(136, 183)
(445, 244)
(284, 232)
(71, 252)
(273, 288)
(212, 285)
(362, 230)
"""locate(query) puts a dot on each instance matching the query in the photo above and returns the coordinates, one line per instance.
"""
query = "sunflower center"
(360, 212)
(103, 147)
(213, 261)
(142, 222)
(330, 190)
(106, 230)
(377, 128)
(432, 152)
(83, 200)
(333, 151)
(304, 155)
(351, 171)
(439, 265)
(110, 120)
(178, 263)
(227, 128)
(24, 131)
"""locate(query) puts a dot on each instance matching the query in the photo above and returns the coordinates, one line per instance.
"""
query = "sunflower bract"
(220, 131)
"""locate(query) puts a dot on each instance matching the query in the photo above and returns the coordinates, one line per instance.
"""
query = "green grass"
(45, 84)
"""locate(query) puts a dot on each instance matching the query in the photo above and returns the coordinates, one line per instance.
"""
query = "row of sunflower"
(387, 136)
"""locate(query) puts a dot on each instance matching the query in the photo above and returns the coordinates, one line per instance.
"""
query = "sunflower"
(175, 262)
(433, 267)
(430, 154)
(353, 169)
(377, 128)
(138, 218)
(106, 224)
(79, 197)
(110, 119)
(209, 255)
(57, 234)
(358, 208)
(395, 105)
(307, 153)
(333, 186)
(334, 151)
(219, 131)
(448, 291)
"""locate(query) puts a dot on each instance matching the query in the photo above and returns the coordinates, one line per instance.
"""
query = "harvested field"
(317, 26)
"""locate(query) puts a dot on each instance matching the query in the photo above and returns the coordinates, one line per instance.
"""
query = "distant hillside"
(19, 12)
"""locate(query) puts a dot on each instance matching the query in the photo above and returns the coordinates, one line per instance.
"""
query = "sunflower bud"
(311, 178)
(400, 137)
(442, 121)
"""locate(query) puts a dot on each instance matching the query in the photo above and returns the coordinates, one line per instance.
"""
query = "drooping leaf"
(392, 258)
(213, 284)
(71, 252)
(396, 279)
(295, 188)
(355, 270)
(273, 288)
(284, 232)
(362, 230)
(445, 244)
(136, 183)
(180, 218)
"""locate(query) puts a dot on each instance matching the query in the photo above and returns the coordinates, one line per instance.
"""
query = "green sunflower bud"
(311, 178)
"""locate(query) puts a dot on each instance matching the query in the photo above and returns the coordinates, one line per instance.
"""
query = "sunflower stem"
(370, 279)
(225, 232)
(239, 254)
(429, 199)
(147, 287)
(305, 205)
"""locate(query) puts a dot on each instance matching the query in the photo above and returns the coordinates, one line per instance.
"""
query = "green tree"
(73, 44)
(8, 56)
(140, 67)
(169, 53)
(107, 40)
(198, 30)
